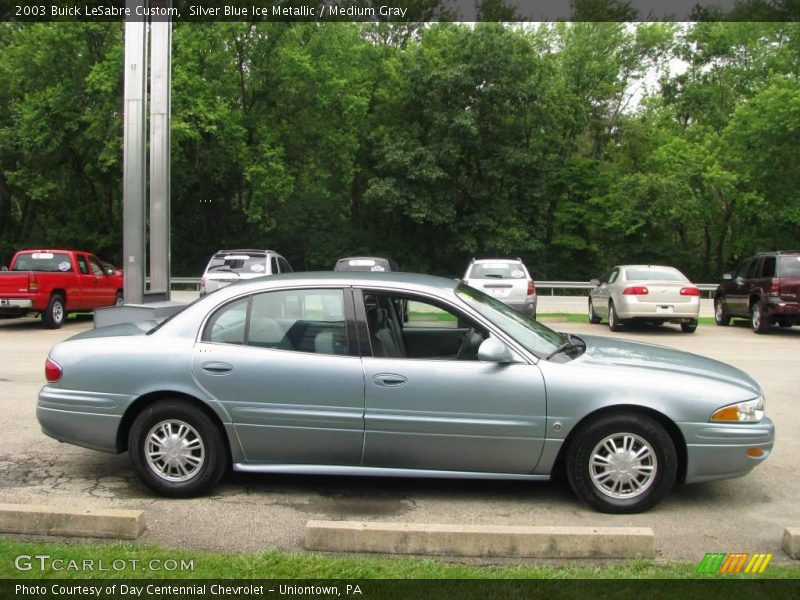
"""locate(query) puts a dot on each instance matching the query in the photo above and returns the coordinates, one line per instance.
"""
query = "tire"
(119, 299)
(721, 317)
(758, 320)
(613, 320)
(690, 327)
(202, 465)
(56, 312)
(593, 318)
(634, 432)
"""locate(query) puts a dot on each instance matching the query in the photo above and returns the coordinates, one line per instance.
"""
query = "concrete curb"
(81, 522)
(480, 540)
(791, 542)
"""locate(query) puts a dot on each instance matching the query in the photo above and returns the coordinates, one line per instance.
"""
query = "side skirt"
(381, 472)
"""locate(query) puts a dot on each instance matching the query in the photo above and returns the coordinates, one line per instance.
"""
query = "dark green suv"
(765, 289)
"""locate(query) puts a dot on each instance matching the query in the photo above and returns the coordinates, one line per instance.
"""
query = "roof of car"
(248, 250)
(497, 260)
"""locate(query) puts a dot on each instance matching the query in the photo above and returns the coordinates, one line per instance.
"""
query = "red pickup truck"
(56, 282)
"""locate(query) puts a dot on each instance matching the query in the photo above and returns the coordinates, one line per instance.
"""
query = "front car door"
(285, 365)
(430, 404)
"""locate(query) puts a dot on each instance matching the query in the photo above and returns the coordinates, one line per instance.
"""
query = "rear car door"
(285, 365)
(427, 407)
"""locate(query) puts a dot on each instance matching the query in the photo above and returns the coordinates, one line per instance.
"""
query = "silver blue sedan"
(317, 373)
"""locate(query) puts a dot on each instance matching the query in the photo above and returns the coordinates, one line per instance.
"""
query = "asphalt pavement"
(259, 512)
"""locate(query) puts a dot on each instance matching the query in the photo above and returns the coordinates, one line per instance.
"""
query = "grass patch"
(279, 565)
(582, 318)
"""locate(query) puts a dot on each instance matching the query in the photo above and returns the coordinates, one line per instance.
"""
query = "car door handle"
(217, 368)
(389, 380)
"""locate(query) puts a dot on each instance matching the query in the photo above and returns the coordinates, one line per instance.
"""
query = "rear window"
(361, 264)
(789, 266)
(497, 271)
(238, 263)
(48, 262)
(654, 275)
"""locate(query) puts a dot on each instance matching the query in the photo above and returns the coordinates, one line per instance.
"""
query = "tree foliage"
(428, 143)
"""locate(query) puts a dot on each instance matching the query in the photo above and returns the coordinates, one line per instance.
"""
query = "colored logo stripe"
(711, 562)
(735, 562)
(758, 563)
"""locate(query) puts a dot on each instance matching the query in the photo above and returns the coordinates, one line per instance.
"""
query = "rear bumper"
(718, 451)
(630, 307)
(784, 309)
(527, 308)
(15, 307)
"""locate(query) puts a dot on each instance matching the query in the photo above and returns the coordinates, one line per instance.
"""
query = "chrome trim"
(357, 471)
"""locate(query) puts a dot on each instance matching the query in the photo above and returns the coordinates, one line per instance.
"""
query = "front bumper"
(718, 450)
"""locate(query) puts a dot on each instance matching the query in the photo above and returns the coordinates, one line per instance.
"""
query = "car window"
(95, 265)
(285, 268)
(274, 266)
(82, 266)
(422, 314)
(768, 267)
(752, 269)
(47, 262)
(790, 266)
(497, 271)
(742, 270)
(612, 275)
(653, 274)
(227, 325)
(528, 332)
(238, 263)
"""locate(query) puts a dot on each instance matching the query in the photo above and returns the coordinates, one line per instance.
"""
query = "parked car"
(227, 266)
(765, 289)
(315, 373)
(55, 283)
(508, 280)
(365, 263)
(645, 293)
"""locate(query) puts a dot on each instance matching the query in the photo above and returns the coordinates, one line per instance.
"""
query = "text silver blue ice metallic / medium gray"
(321, 373)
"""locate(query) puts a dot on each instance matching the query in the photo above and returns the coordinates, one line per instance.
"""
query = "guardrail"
(540, 285)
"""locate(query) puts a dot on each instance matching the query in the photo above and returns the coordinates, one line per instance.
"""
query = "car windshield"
(650, 274)
(238, 263)
(534, 336)
(790, 266)
(497, 271)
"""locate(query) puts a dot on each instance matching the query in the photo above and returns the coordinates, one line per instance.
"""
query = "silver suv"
(227, 266)
(508, 280)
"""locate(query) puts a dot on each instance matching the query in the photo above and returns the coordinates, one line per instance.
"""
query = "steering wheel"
(466, 343)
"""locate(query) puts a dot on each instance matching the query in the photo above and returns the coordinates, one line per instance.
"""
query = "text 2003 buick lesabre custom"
(319, 373)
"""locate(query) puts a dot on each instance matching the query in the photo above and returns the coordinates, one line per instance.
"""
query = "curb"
(480, 540)
(65, 521)
(791, 542)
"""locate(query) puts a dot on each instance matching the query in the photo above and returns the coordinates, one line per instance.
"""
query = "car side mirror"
(594, 282)
(493, 350)
(727, 276)
(109, 271)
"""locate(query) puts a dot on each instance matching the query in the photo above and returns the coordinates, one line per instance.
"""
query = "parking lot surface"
(250, 513)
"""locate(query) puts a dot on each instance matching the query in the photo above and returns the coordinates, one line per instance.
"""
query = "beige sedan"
(646, 293)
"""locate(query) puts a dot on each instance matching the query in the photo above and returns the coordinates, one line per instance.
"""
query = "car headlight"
(750, 411)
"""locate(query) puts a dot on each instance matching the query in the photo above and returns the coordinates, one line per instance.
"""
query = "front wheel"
(758, 320)
(177, 450)
(593, 318)
(55, 313)
(119, 299)
(624, 463)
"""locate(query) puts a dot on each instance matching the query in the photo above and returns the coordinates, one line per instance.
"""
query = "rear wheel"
(613, 320)
(720, 316)
(177, 450)
(593, 318)
(624, 463)
(689, 327)
(758, 319)
(55, 313)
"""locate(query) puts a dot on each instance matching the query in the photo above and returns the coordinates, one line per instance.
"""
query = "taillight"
(690, 291)
(52, 370)
(775, 287)
(636, 290)
(33, 283)
(531, 288)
